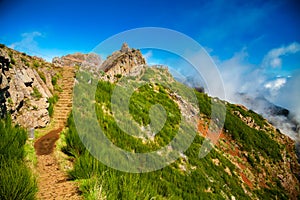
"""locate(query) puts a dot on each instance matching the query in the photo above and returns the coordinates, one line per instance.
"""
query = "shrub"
(54, 80)
(42, 76)
(36, 64)
(16, 180)
(118, 76)
(23, 59)
(12, 141)
(52, 101)
(74, 145)
(36, 93)
(13, 61)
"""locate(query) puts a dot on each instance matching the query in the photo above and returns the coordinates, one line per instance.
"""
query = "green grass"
(36, 64)
(36, 93)
(16, 179)
(30, 155)
(42, 76)
(99, 181)
(252, 140)
(52, 101)
(167, 183)
(17, 182)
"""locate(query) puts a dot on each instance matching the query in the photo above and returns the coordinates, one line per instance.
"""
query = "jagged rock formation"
(25, 85)
(90, 62)
(122, 63)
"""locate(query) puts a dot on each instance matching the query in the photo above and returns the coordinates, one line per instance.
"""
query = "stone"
(22, 74)
(17, 83)
(125, 48)
(3, 82)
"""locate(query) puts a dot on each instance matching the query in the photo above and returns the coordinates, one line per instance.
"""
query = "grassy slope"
(202, 177)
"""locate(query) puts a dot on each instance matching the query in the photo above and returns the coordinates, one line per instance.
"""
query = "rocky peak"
(122, 62)
(125, 48)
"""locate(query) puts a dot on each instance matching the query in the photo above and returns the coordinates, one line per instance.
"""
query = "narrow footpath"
(53, 182)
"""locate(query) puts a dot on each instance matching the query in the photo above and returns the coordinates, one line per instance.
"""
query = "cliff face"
(25, 85)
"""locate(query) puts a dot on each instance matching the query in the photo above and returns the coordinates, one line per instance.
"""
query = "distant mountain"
(280, 117)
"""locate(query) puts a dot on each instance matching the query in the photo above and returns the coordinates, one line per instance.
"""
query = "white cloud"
(239, 76)
(27, 42)
(273, 57)
(275, 84)
(289, 95)
(29, 45)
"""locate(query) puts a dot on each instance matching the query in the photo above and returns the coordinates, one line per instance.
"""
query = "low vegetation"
(42, 76)
(251, 140)
(189, 178)
(36, 93)
(16, 179)
(52, 101)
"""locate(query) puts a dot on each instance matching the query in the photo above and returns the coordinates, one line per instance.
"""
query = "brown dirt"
(46, 144)
(246, 180)
(205, 132)
(53, 182)
(235, 153)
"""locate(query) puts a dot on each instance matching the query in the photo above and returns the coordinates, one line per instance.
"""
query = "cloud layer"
(241, 77)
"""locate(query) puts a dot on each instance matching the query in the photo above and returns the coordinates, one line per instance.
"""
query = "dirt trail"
(52, 181)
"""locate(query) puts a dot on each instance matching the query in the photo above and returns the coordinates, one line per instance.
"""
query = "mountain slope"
(251, 160)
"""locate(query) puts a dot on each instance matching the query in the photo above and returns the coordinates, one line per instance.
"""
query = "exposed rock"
(248, 120)
(69, 60)
(125, 48)
(122, 63)
(23, 93)
(90, 62)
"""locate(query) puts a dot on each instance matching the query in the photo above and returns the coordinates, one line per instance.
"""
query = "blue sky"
(258, 40)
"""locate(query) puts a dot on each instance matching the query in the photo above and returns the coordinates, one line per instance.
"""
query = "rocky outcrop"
(248, 120)
(23, 92)
(90, 62)
(122, 63)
